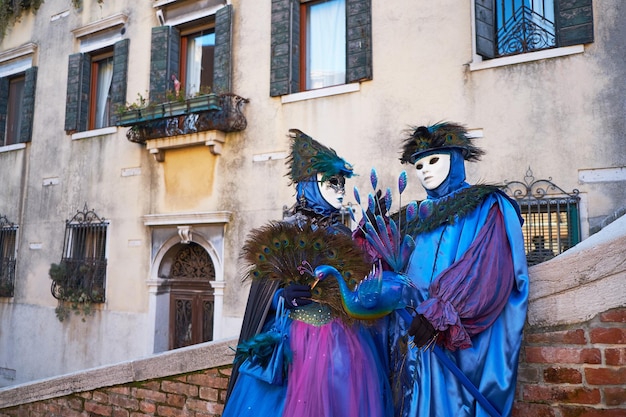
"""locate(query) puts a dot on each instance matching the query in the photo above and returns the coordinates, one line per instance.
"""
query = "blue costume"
(471, 285)
(335, 366)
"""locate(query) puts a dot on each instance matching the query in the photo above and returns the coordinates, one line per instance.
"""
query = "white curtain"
(194, 66)
(103, 95)
(326, 44)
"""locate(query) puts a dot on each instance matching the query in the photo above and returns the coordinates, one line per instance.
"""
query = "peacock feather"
(431, 215)
(384, 233)
(309, 157)
(281, 251)
(439, 136)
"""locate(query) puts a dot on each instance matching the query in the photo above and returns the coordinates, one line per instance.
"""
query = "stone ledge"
(581, 282)
(184, 360)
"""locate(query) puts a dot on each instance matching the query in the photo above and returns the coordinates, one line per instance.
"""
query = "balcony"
(172, 124)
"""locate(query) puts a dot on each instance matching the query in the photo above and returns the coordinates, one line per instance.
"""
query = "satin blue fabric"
(253, 397)
(311, 192)
(422, 384)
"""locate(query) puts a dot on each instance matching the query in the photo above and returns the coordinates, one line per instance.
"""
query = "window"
(509, 27)
(8, 235)
(551, 221)
(96, 86)
(17, 102)
(82, 271)
(198, 54)
(14, 111)
(100, 91)
(551, 227)
(197, 57)
(323, 46)
(319, 44)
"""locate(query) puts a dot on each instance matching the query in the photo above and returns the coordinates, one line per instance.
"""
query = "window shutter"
(120, 76)
(359, 40)
(574, 22)
(4, 106)
(485, 27)
(77, 99)
(28, 104)
(223, 60)
(164, 61)
(285, 47)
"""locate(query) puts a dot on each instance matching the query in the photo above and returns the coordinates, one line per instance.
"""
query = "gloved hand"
(422, 331)
(297, 295)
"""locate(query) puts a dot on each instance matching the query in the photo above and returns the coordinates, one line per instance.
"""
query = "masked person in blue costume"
(331, 365)
(469, 269)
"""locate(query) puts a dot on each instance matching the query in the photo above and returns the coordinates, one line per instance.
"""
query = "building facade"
(141, 141)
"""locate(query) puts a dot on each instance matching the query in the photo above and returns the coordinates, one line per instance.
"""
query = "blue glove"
(297, 295)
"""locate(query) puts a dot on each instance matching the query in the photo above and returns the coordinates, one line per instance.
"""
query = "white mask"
(332, 190)
(432, 170)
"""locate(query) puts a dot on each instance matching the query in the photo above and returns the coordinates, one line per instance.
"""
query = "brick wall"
(574, 371)
(198, 394)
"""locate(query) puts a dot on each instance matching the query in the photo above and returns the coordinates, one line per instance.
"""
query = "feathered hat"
(439, 137)
(308, 157)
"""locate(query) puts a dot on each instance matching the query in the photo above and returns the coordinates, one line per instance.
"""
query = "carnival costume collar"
(434, 213)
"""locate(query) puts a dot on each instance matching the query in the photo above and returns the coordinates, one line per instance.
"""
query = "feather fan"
(285, 252)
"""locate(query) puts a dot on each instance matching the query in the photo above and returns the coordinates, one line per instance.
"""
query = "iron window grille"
(551, 216)
(525, 26)
(81, 274)
(510, 27)
(8, 237)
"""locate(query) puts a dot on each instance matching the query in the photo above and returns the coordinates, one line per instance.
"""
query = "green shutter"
(120, 77)
(574, 22)
(4, 106)
(77, 99)
(28, 104)
(223, 60)
(485, 28)
(285, 48)
(359, 40)
(164, 61)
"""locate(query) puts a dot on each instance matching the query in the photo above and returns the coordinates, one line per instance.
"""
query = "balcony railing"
(198, 114)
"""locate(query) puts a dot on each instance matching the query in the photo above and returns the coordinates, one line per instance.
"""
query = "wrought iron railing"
(226, 117)
(8, 234)
(551, 216)
(525, 31)
(81, 274)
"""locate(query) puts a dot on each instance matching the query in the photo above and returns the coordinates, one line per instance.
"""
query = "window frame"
(83, 277)
(573, 26)
(94, 93)
(14, 111)
(27, 102)
(185, 36)
(166, 53)
(305, 61)
(95, 39)
(555, 240)
(285, 61)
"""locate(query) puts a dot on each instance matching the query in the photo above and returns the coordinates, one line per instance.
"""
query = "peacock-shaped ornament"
(385, 288)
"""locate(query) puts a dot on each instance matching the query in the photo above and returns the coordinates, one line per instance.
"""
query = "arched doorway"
(191, 295)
